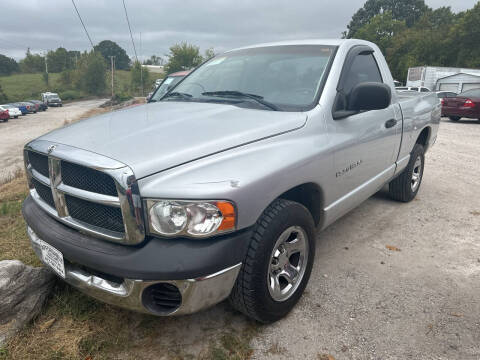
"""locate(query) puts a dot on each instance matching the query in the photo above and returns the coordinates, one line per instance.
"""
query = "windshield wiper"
(235, 93)
(177, 94)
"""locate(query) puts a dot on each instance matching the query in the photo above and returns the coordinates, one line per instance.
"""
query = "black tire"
(454, 118)
(400, 188)
(251, 294)
(16, 117)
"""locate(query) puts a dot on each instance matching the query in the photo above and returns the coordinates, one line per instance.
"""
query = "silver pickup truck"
(216, 189)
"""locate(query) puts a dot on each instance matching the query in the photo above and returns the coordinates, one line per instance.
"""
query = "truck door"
(366, 143)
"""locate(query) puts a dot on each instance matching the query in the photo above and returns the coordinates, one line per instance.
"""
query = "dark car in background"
(35, 107)
(40, 105)
(22, 107)
(30, 107)
(464, 105)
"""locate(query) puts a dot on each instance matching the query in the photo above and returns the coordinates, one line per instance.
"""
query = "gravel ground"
(15, 133)
(364, 301)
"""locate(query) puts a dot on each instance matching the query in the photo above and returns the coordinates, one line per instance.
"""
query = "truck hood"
(158, 136)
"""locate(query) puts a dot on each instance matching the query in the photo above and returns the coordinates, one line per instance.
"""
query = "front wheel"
(278, 263)
(405, 187)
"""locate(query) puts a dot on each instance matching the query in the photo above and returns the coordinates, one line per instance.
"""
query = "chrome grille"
(39, 162)
(44, 192)
(87, 179)
(103, 216)
(84, 190)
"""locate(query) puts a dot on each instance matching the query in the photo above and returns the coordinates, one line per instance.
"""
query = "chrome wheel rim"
(288, 262)
(416, 174)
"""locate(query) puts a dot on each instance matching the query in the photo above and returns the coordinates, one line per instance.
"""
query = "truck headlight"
(190, 218)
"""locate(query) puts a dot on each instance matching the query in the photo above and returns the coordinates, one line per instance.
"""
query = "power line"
(130, 29)
(86, 32)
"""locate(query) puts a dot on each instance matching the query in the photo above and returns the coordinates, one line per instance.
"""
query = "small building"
(158, 69)
(458, 83)
(429, 75)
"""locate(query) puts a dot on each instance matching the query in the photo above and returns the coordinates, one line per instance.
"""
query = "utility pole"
(141, 66)
(112, 62)
(46, 67)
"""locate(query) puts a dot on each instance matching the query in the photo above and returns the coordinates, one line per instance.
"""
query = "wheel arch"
(309, 195)
(424, 137)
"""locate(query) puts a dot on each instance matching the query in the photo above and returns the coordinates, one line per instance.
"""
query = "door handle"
(390, 123)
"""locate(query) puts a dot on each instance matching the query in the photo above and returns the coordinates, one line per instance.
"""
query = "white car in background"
(413, 88)
(13, 111)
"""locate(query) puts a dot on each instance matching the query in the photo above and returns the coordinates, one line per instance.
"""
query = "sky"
(219, 24)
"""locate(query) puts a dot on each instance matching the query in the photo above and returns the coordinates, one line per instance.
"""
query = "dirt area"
(17, 132)
(365, 301)
(390, 281)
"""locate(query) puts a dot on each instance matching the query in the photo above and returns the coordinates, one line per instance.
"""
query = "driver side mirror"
(364, 97)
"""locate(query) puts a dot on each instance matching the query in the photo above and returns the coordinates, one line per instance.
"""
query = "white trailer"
(428, 76)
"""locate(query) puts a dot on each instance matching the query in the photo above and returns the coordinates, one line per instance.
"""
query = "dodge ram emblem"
(51, 148)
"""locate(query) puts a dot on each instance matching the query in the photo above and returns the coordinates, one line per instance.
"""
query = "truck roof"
(327, 42)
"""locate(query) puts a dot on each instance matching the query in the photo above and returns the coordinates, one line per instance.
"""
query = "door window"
(364, 69)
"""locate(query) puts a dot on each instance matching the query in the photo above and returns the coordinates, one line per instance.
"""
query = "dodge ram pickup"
(217, 188)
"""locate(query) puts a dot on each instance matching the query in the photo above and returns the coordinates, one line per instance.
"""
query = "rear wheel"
(454, 118)
(405, 187)
(278, 263)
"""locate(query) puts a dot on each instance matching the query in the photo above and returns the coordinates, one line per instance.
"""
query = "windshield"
(283, 78)
(167, 84)
(52, 97)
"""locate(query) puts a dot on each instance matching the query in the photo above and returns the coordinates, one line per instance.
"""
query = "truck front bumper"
(106, 271)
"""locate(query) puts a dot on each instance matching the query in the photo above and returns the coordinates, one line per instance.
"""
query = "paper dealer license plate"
(52, 257)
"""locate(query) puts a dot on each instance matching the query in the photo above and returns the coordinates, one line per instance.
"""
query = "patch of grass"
(14, 242)
(22, 87)
(74, 326)
(233, 345)
(3, 353)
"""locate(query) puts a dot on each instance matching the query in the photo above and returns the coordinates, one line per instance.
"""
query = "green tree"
(8, 65)
(381, 30)
(464, 38)
(183, 56)
(3, 96)
(60, 60)
(67, 78)
(209, 53)
(437, 38)
(139, 77)
(109, 48)
(409, 11)
(153, 60)
(90, 74)
(32, 63)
